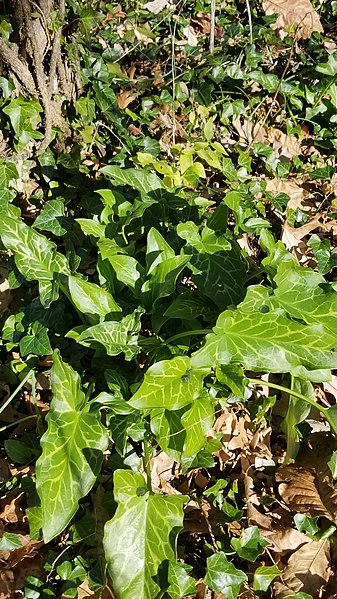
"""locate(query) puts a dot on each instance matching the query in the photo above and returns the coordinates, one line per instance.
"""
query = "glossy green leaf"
(90, 298)
(264, 576)
(207, 242)
(250, 544)
(220, 276)
(116, 336)
(169, 431)
(197, 422)
(297, 412)
(162, 280)
(180, 583)
(10, 541)
(91, 227)
(52, 218)
(35, 256)
(223, 577)
(171, 384)
(127, 269)
(140, 537)
(268, 342)
(24, 114)
(72, 450)
(305, 295)
(140, 180)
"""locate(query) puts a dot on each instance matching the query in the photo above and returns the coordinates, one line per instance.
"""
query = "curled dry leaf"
(308, 492)
(285, 146)
(286, 540)
(125, 98)
(296, 15)
(307, 571)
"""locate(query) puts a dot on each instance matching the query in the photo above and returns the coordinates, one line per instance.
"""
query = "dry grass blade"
(307, 571)
(308, 493)
(294, 14)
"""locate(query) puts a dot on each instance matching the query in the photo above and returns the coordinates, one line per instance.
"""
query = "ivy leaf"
(250, 544)
(208, 242)
(90, 298)
(37, 342)
(23, 114)
(116, 336)
(140, 180)
(181, 584)
(35, 256)
(51, 218)
(170, 384)
(223, 577)
(264, 576)
(72, 450)
(141, 536)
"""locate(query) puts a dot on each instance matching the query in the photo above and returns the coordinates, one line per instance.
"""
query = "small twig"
(8, 401)
(250, 22)
(264, 120)
(212, 31)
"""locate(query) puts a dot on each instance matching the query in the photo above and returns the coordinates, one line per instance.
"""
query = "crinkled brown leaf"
(308, 492)
(296, 15)
(307, 571)
(285, 146)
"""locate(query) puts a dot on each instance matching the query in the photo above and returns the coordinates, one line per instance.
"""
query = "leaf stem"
(312, 402)
(147, 467)
(186, 334)
(8, 401)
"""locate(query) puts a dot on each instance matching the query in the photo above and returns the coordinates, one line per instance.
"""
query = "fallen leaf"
(307, 492)
(189, 33)
(307, 571)
(298, 15)
(285, 146)
(286, 540)
(156, 6)
(125, 98)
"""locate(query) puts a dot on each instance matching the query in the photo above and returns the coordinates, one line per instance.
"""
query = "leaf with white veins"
(141, 536)
(72, 450)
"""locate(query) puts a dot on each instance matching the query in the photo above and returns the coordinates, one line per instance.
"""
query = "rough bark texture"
(34, 59)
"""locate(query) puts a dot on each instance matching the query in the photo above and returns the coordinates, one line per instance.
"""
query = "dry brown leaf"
(125, 98)
(285, 146)
(163, 470)
(299, 15)
(296, 192)
(285, 541)
(307, 571)
(307, 492)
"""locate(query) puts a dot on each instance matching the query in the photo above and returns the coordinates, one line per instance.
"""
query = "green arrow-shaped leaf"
(72, 450)
(170, 384)
(140, 537)
(35, 256)
(115, 336)
(90, 298)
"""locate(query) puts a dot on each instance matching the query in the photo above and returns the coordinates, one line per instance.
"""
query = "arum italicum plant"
(287, 329)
